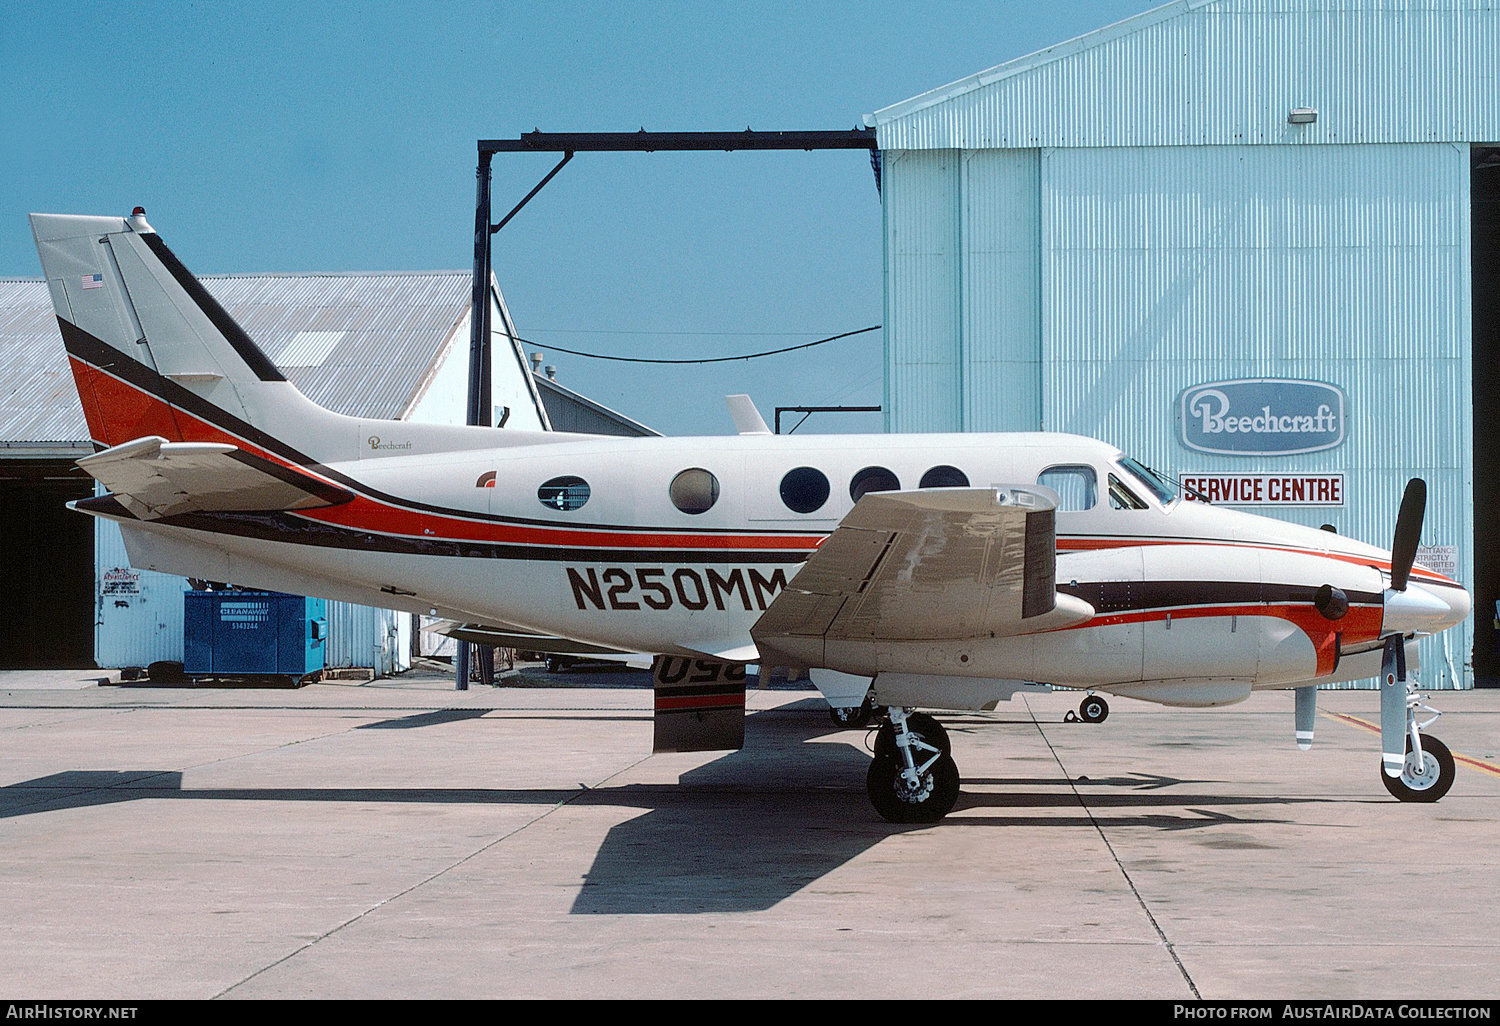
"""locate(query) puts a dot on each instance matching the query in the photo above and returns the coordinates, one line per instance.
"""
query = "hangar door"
(1485, 248)
(46, 567)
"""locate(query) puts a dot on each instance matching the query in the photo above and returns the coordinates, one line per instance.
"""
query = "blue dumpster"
(235, 633)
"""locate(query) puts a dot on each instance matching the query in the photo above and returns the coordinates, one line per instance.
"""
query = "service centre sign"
(1265, 489)
(1262, 417)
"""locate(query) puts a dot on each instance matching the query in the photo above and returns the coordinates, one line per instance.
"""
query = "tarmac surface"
(401, 839)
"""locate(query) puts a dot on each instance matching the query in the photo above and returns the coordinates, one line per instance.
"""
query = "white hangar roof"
(1223, 72)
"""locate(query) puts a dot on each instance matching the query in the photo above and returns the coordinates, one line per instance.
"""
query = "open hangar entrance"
(1485, 292)
(46, 565)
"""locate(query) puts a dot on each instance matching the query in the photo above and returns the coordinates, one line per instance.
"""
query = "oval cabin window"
(804, 490)
(694, 491)
(564, 493)
(873, 479)
(944, 477)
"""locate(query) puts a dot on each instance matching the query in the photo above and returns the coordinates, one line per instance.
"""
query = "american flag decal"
(93, 281)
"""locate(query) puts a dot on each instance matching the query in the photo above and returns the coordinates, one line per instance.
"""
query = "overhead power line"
(714, 359)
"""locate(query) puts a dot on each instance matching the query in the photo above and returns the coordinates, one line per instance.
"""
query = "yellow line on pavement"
(1467, 760)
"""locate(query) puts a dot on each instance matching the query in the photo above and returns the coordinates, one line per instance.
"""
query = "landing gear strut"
(912, 778)
(1428, 770)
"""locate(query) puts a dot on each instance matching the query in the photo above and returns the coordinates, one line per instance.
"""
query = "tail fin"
(153, 353)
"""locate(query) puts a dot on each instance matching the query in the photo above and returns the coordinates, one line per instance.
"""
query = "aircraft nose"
(1459, 603)
(1423, 609)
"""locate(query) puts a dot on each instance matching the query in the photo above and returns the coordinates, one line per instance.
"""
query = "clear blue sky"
(312, 136)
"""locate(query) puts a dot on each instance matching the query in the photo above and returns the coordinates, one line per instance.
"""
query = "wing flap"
(931, 565)
(155, 478)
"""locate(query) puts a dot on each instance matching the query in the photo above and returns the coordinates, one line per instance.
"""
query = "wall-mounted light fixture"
(1302, 115)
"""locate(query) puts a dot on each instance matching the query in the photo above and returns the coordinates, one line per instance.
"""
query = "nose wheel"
(1425, 775)
(1093, 709)
(913, 778)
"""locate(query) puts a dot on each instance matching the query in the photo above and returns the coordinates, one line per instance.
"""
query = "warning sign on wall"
(1265, 489)
(121, 580)
(1440, 558)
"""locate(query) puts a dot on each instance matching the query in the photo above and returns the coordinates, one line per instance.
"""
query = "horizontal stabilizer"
(154, 478)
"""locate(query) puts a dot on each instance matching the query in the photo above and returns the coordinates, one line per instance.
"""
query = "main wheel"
(920, 724)
(897, 803)
(852, 716)
(1093, 709)
(1427, 782)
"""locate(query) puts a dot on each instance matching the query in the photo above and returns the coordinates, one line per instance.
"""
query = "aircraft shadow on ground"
(745, 831)
(737, 834)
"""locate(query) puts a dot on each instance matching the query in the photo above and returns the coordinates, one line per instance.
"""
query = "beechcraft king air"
(902, 571)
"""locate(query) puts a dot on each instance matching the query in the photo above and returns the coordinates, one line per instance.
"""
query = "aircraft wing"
(941, 564)
(155, 478)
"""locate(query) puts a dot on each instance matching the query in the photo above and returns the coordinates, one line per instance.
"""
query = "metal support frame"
(810, 410)
(568, 143)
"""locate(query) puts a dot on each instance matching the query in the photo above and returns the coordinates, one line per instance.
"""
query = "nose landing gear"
(1428, 770)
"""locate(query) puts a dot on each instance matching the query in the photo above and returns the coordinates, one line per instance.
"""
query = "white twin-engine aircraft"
(902, 571)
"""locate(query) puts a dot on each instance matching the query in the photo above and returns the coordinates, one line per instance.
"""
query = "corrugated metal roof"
(570, 411)
(1228, 72)
(379, 335)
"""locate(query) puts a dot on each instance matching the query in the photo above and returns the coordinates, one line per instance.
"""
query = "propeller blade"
(1408, 532)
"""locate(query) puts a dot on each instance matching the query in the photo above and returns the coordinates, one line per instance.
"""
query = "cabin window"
(873, 479)
(804, 489)
(944, 477)
(694, 491)
(1077, 488)
(1121, 497)
(564, 493)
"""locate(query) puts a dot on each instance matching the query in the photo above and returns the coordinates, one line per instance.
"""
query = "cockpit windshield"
(1155, 482)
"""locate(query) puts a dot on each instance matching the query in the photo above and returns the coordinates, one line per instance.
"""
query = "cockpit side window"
(1156, 483)
(1076, 486)
(1121, 497)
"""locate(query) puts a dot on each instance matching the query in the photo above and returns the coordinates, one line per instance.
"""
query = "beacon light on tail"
(903, 571)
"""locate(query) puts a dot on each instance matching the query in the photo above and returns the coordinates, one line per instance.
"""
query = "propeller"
(1393, 713)
(1408, 532)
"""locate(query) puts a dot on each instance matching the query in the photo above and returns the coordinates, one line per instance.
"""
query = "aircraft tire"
(920, 724)
(1427, 786)
(890, 798)
(1093, 709)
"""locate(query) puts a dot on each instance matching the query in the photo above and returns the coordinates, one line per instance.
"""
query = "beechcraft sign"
(1262, 417)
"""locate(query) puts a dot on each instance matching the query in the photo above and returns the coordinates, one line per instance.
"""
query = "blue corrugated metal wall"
(1074, 238)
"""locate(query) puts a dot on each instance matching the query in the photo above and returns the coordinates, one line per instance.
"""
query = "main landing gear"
(1093, 709)
(913, 778)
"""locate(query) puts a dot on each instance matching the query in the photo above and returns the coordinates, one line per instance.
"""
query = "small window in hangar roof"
(309, 348)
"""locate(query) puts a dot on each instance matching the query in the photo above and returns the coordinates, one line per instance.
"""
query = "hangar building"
(1207, 215)
(382, 345)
